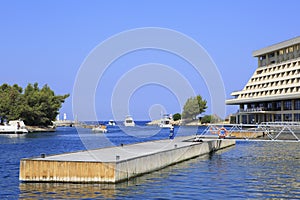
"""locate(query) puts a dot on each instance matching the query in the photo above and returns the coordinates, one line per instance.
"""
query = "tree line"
(35, 106)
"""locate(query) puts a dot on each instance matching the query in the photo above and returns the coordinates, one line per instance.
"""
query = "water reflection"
(65, 191)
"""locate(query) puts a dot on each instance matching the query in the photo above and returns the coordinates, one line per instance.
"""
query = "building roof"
(276, 47)
(263, 99)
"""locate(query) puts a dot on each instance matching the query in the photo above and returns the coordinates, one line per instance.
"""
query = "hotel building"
(273, 92)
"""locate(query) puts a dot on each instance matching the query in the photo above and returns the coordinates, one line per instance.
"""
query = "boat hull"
(12, 130)
(99, 130)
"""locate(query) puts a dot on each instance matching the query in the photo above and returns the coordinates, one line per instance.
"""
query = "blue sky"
(47, 42)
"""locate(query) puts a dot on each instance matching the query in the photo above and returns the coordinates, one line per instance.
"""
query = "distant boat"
(111, 123)
(100, 129)
(129, 121)
(13, 127)
(166, 122)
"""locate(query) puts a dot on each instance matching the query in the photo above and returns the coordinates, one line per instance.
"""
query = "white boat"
(13, 127)
(129, 121)
(100, 129)
(111, 123)
(166, 122)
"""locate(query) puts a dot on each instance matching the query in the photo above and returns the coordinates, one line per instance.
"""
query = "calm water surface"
(249, 170)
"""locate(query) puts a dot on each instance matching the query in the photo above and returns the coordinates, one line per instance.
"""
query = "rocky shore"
(33, 129)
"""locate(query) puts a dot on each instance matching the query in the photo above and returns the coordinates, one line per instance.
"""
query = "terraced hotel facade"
(273, 92)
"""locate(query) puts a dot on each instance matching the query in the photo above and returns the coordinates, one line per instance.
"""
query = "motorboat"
(129, 121)
(13, 127)
(111, 123)
(166, 122)
(100, 129)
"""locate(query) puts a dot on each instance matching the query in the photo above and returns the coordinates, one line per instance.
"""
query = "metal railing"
(272, 131)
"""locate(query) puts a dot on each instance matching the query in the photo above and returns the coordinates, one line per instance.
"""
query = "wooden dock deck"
(115, 164)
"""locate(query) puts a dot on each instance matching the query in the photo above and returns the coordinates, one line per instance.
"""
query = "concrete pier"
(115, 164)
(247, 134)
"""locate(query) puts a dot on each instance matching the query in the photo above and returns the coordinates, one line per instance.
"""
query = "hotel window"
(297, 105)
(287, 117)
(278, 105)
(277, 117)
(261, 105)
(269, 106)
(291, 49)
(297, 117)
(244, 119)
(287, 105)
(281, 52)
(251, 119)
(294, 64)
(259, 72)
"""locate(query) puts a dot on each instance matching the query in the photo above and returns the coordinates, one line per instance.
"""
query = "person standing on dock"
(171, 135)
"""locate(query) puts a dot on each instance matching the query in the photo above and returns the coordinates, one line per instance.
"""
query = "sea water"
(249, 170)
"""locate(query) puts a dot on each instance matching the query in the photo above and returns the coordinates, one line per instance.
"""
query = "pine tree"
(37, 107)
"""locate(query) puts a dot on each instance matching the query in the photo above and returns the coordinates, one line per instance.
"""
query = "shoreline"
(35, 129)
(177, 123)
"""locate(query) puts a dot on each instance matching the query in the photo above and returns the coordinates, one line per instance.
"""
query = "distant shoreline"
(176, 123)
(35, 129)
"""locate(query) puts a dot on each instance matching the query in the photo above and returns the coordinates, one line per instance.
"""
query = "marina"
(251, 165)
(150, 100)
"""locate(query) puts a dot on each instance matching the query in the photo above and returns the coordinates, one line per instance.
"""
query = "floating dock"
(116, 164)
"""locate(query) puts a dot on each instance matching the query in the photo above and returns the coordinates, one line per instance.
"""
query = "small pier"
(62, 123)
(116, 164)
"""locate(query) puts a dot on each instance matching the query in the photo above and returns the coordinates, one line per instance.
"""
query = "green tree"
(206, 119)
(202, 104)
(35, 106)
(193, 107)
(176, 116)
(11, 101)
(211, 119)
